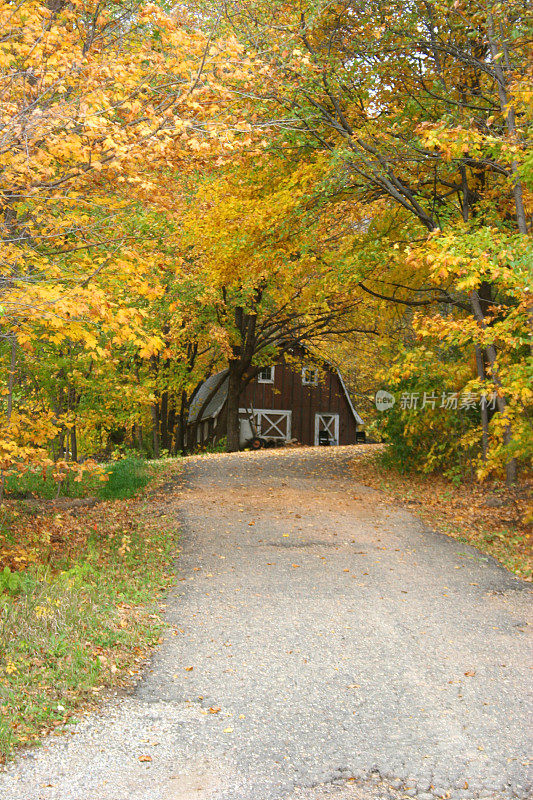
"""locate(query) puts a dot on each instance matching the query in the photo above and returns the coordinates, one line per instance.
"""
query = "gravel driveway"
(322, 645)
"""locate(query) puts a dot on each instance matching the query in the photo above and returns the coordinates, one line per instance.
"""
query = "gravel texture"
(322, 646)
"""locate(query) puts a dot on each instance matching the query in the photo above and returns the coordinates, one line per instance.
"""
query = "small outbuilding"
(283, 402)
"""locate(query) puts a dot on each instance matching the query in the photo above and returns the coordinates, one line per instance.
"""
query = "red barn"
(308, 404)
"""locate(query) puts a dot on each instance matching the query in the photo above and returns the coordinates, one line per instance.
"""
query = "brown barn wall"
(288, 393)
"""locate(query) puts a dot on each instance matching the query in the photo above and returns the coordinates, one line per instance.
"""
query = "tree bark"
(61, 443)
(73, 402)
(73, 444)
(155, 429)
(181, 426)
(172, 418)
(139, 435)
(511, 468)
(10, 384)
(163, 414)
(484, 410)
(232, 406)
(499, 48)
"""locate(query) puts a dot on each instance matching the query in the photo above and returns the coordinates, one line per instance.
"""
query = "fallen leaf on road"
(228, 730)
(188, 669)
(145, 758)
(470, 673)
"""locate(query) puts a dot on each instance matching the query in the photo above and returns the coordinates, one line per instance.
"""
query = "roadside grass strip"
(79, 605)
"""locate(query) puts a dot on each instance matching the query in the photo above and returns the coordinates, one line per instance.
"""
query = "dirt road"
(322, 645)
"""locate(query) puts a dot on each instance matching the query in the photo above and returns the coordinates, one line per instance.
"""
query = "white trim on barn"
(349, 400)
(329, 423)
(271, 423)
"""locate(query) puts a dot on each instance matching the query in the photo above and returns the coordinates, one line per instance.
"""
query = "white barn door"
(328, 423)
(274, 424)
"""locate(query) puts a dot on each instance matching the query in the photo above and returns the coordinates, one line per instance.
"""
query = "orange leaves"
(151, 347)
(97, 136)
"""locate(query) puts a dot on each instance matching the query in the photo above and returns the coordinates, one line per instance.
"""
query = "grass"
(461, 511)
(125, 478)
(79, 593)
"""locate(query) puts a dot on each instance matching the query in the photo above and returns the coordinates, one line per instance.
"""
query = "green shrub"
(14, 583)
(35, 483)
(428, 440)
(429, 436)
(126, 478)
(216, 447)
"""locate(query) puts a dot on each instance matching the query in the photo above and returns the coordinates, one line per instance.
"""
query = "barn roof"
(349, 399)
(217, 400)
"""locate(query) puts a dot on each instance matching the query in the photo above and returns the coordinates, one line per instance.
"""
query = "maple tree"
(102, 103)
(274, 288)
(423, 114)
(221, 183)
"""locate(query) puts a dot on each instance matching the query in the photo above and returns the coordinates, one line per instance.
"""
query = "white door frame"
(321, 422)
(268, 424)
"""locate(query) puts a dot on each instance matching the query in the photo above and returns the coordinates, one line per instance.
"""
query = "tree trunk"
(500, 54)
(232, 407)
(171, 426)
(73, 444)
(10, 384)
(155, 429)
(511, 467)
(165, 444)
(61, 444)
(181, 429)
(484, 410)
(138, 434)
(73, 402)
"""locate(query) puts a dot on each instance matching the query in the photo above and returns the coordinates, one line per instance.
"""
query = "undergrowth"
(79, 598)
(123, 478)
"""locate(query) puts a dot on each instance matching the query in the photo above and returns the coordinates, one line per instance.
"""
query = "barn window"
(309, 377)
(266, 375)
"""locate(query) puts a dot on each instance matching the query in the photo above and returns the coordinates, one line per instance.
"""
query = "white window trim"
(266, 380)
(314, 382)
